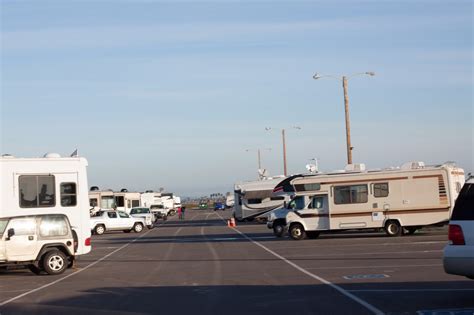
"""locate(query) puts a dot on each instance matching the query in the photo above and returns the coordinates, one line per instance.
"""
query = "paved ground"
(200, 266)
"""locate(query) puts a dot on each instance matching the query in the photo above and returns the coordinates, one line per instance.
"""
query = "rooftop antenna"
(313, 168)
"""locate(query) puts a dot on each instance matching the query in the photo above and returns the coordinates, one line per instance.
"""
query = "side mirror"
(10, 233)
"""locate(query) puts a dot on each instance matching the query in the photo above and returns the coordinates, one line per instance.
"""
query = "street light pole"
(348, 124)
(346, 107)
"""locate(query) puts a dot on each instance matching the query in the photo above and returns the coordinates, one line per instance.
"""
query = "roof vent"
(94, 188)
(52, 155)
(415, 165)
(355, 167)
(7, 156)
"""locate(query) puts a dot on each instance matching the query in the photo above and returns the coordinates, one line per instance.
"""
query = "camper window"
(36, 191)
(93, 202)
(120, 201)
(350, 194)
(308, 187)
(254, 201)
(381, 190)
(107, 202)
(135, 203)
(277, 198)
(68, 194)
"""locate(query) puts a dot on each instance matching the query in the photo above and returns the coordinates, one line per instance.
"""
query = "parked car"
(459, 253)
(159, 211)
(203, 205)
(219, 206)
(43, 243)
(112, 220)
(144, 213)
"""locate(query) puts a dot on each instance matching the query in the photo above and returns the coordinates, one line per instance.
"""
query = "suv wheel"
(54, 262)
(34, 269)
(99, 229)
(138, 227)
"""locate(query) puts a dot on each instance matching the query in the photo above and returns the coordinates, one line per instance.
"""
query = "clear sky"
(171, 93)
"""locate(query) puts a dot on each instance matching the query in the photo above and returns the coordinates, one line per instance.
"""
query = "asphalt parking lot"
(201, 266)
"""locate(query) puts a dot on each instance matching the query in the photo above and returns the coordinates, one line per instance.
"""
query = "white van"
(43, 243)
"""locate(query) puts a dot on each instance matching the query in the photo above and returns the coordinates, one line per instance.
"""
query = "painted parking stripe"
(410, 290)
(344, 292)
(372, 253)
(381, 266)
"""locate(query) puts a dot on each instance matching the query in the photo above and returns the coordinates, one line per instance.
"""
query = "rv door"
(316, 214)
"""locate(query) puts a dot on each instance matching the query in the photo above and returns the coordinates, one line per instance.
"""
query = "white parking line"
(371, 253)
(74, 273)
(411, 290)
(363, 245)
(367, 305)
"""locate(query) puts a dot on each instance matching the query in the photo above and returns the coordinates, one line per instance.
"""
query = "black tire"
(76, 241)
(393, 228)
(150, 226)
(138, 227)
(297, 231)
(127, 231)
(99, 229)
(54, 262)
(34, 269)
(312, 234)
(278, 230)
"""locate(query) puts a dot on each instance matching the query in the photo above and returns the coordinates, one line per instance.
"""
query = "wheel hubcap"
(56, 262)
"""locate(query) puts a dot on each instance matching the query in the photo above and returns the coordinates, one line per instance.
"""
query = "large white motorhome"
(48, 185)
(398, 199)
(109, 200)
(125, 200)
(254, 199)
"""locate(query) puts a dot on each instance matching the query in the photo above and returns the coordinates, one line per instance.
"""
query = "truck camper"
(254, 199)
(52, 185)
(395, 199)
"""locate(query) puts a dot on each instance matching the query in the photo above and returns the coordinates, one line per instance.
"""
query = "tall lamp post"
(344, 80)
(259, 155)
(284, 146)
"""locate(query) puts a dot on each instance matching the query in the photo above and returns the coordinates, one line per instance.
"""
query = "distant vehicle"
(111, 220)
(48, 185)
(219, 206)
(459, 253)
(398, 200)
(230, 200)
(203, 205)
(144, 213)
(43, 243)
(112, 200)
(254, 199)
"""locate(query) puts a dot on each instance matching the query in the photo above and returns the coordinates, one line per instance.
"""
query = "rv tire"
(393, 228)
(297, 231)
(278, 230)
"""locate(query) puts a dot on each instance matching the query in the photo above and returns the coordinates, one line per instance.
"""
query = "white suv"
(459, 253)
(43, 243)
(111, 220)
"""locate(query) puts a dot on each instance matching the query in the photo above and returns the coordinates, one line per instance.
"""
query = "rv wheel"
(278, 230)
(393, 228)
(297, 231)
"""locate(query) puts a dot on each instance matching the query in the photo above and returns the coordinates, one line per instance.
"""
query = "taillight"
(88, 241)
(455, 235)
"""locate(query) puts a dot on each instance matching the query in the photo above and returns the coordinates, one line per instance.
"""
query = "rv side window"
(120, 201)
(381, 190)
(277, 198)
(68, 194)
(350, 194)
(135, 203)
(36, 191)
(93, 202)
(107, 202)
(254, 201)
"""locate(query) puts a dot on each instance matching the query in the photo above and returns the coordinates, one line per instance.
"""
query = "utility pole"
(348, 124)
(284, 151)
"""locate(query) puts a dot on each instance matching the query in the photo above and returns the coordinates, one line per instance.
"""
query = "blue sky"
(171, 93)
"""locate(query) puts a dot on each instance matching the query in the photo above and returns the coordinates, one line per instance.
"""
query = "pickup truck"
(112, 220)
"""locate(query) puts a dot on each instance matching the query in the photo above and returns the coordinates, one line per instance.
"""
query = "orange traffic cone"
(228, 223)
(232, 222)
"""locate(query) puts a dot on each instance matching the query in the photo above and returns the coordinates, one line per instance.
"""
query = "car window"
(53, 226)
(3, 225)
(23, 226)
(123, 215)
(464, 207)
(112, 215)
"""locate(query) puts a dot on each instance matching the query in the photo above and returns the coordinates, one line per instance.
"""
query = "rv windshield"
(3, 225)
(297, 203)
